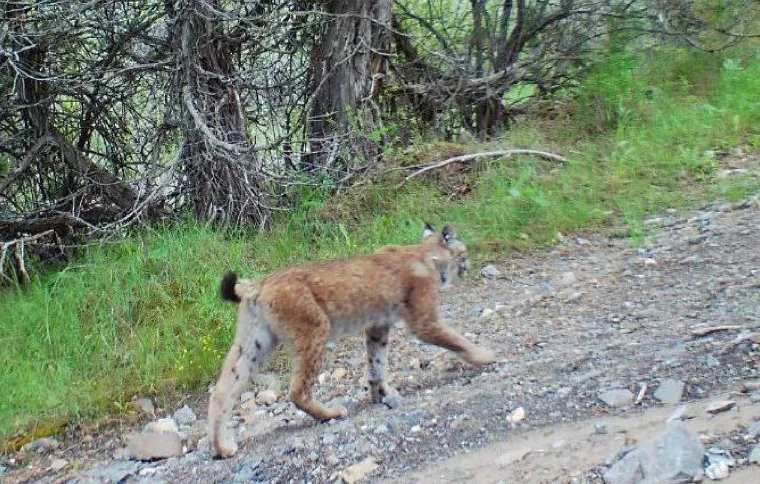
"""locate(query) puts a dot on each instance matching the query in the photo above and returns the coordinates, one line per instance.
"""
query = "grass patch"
(143, 317)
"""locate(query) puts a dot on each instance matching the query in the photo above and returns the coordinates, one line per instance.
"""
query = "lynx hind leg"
(253, 343)
(310, 330)
(376, 340)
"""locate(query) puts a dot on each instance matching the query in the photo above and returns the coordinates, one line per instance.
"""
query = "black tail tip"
(227, 287)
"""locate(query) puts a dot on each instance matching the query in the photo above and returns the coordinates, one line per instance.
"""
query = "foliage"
(142, 315)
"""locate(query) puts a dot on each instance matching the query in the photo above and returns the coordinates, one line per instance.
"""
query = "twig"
(475, 156)
(19, 254)
(713, 329)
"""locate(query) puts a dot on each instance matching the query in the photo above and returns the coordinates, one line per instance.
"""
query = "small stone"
(576, 296)
(58, 464)
(754, 430)
(754, 455)
(162, 425)
(567, 278)
(247, 471)
(490, 272)
(246, 396)
(154, 445)
(339, 374)
(670, 391)
(267, 397)
(392, 399)
(381, 429)
(329, 439)
(415, 429)
(144, 405)
(717, 470)
(516, 415)
(754, 397)
(357, 472)
(42, 445)
(268, 381)
(750, 385)
(617, 398)
(487, 313)
(649, 262)
(720, 406)
(601, 428)
(184, 416)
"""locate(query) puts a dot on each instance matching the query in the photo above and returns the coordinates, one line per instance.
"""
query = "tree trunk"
(223, 181)
(348, 66)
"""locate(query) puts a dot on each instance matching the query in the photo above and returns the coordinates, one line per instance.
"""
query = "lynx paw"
(224, 450)
(481, 356)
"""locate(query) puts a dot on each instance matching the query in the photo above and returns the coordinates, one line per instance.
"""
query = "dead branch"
(476, 156)
(18, 252)
(712, 329)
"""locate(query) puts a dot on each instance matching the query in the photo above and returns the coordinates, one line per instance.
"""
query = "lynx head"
(446, 253)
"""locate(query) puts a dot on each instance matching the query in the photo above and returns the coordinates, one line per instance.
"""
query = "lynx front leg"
(421, 315)
(376, 339)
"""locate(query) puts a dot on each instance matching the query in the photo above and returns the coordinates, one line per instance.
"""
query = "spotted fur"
(306, 306)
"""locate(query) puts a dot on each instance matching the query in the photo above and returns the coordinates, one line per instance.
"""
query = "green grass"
(142, 316)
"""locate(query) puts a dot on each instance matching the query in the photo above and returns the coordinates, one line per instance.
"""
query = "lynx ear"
(447, 234)
(429, 230)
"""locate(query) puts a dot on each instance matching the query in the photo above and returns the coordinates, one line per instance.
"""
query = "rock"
(162, 425)
(247, 471)
(415, 429)
(184, 416)
(516, 415)
(490, 272)
(754, 429)
(754, 397)
(268, 381)
(601, 429)
(670, 391)
(58, 464)
(574, 297)
(717, 470)
(674, 455)
(511, 457)
(750, 385)
(357, 472)
(42, 445)
(617, 398)
(567, 278)
(246, 397)
(754, 455)
(339, 374)
(720, 406)
(381, 429)
(154, 445)
(474, 312)
(649, 262)
(117, 472)
(392, 399)
(267, 397)
(144, 405)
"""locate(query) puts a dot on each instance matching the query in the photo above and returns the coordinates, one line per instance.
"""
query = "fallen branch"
(18, 245)
(476, 156)
(713, 329)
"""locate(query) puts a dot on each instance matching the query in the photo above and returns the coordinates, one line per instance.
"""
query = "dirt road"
(587, 334)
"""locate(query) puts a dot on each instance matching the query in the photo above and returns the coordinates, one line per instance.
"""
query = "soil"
(593, 314)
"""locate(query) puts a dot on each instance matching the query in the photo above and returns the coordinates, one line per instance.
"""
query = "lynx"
(308, 305)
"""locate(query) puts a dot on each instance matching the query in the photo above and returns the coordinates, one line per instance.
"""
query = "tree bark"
(348, 66)
(224, 183)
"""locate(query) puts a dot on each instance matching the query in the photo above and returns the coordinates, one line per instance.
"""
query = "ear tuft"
(447, 233)
(429, 230)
